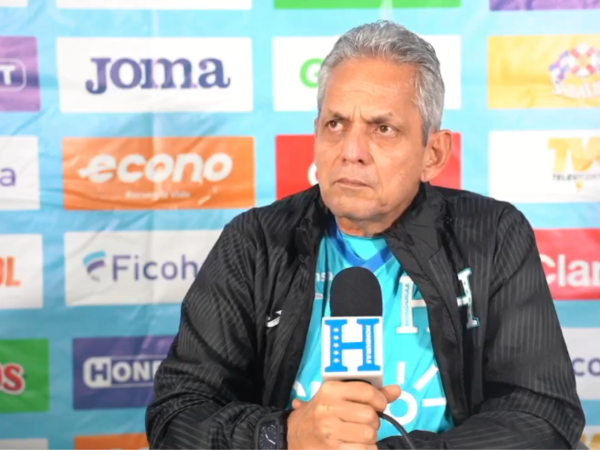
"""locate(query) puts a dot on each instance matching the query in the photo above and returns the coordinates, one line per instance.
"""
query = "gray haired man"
(474, 354)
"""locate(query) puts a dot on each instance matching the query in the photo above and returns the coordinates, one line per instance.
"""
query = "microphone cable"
(398, 427)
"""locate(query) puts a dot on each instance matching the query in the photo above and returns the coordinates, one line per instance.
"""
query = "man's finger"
(391, 392)
(351, 446)
(353, 412)
(361, 392)
(356, 433)
(296, 404)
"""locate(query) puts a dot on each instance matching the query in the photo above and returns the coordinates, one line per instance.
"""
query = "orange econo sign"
(133, 441)
(158, 173)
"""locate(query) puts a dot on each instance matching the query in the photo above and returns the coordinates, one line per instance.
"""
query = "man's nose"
(355, 147)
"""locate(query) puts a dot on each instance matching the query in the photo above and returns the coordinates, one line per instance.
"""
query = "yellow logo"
(560, 71)
(574, 160)
(592, 440)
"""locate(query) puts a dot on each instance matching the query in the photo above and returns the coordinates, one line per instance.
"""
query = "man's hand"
(341, 415)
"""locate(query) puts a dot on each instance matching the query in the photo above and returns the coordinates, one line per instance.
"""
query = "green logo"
(24, 375)
(309, 72)
(375, 4)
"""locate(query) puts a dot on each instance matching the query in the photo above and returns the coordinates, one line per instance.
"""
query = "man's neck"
(362, 228)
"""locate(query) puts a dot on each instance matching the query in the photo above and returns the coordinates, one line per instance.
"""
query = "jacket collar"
(420, 223)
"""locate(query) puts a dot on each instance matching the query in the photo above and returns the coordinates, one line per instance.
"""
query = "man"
(471, 333)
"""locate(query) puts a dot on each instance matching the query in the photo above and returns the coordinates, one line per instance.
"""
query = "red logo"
(11, 379)
(571, 260)
(296, 171)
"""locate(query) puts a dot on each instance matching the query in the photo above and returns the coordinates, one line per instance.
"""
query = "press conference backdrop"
(132, 131)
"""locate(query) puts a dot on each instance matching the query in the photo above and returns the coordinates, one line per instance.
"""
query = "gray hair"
(393, 42)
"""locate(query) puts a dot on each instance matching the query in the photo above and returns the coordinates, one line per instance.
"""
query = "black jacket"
(509, 382)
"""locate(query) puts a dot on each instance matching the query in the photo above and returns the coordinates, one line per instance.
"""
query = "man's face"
(369, 149)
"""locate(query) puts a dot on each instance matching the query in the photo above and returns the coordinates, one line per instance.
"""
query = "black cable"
(398, 427)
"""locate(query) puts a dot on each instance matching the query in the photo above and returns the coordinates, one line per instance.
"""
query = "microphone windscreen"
(355, 292)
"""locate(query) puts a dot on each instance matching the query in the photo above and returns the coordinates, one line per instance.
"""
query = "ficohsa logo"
(12, 379)
(159, 173)
(155, 74)
(133, 267)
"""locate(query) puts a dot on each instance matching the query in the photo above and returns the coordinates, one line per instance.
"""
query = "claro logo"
(159, 173)
(572, 271)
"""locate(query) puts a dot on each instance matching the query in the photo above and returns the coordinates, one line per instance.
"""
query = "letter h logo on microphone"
(352, 347)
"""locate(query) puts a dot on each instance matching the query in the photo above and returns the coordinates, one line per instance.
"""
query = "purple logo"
(511, 5)
(8, 177)
(116, 372)
(19, 76)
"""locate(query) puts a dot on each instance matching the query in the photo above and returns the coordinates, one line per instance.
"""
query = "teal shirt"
(408, 352)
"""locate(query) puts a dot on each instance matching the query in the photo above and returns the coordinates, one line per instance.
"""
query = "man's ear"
(316, 125)
(437, 154)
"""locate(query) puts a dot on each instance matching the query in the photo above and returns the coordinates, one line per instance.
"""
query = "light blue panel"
(60, 324)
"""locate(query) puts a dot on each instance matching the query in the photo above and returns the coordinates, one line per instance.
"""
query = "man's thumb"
(391, 392)
(296, 404)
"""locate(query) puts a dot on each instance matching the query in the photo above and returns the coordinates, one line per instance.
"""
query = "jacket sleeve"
(531, 398)
(207, 391)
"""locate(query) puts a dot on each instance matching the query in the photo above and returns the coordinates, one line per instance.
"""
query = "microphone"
(353, 335)
(352, 342)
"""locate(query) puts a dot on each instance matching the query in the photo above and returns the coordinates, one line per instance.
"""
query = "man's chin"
(352, 209)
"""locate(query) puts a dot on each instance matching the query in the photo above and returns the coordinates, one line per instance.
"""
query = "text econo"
(159, 168)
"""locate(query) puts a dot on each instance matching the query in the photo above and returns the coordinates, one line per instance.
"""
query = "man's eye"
(385, 129)
(333, 124)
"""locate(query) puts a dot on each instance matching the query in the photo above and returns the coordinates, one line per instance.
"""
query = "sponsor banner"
(19, 173)
(296, 171)
(586, 360)
(376, 4)
(116, 372)
(545, 166)
(297, 61)
(19, 74)
(158, 173)
(155, 4)
(572, 270)
(130, 75)
(23, 444)
(21, 271)
(24, 376)
(133, 267)
(551, 71)
(591, 437)
(131, 441)
(509, 5)
(12, 3)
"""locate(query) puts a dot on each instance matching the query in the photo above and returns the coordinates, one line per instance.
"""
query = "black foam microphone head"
(355, 292)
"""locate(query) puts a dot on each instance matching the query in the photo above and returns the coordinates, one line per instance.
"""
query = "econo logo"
(159, 173)
(157, 169)
(572, 271)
